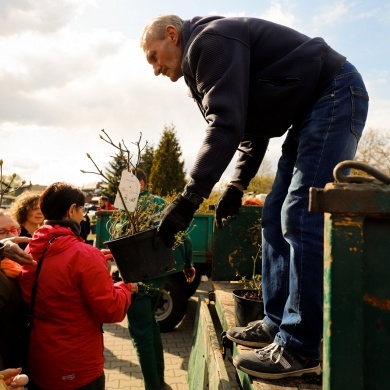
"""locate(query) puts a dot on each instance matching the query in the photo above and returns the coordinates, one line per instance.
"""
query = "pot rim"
(238, 291)
(136, 236)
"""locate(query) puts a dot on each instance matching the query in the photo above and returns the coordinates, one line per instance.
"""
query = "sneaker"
(255, 335)
(276, 362)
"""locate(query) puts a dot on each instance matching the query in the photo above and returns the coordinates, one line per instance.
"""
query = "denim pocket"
(359, 100)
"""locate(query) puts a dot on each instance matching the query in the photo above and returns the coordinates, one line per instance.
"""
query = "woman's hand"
(107, 254)
(14, 379)
(134, 288)
(189, 274)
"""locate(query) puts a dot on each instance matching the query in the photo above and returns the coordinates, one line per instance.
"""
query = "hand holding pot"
(177, 217)
(134, 288)
(107, 255)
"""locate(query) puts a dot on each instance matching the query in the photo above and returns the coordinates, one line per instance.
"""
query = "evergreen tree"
(146, 160)
(167, 175)
(114, 173)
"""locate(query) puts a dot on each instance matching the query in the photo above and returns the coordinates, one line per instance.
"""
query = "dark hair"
(140, 174)
(57, 198)
(104, 197)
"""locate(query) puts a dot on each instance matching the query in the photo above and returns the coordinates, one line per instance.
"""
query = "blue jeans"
(292, 265)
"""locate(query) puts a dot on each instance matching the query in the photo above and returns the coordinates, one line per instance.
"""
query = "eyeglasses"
(14, 231)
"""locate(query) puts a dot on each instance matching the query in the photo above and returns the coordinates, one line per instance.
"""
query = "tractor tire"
(172, 305)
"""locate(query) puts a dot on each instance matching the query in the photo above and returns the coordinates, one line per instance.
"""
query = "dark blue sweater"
(252, 79)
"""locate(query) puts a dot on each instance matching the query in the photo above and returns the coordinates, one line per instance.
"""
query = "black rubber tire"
(173, 302)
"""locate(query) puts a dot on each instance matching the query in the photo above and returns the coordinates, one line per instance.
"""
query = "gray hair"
(156, 27)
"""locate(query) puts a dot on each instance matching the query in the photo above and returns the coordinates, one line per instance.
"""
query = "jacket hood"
(68, 231)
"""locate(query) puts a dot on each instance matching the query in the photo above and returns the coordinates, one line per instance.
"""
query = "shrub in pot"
(248, 301)
(138, 252)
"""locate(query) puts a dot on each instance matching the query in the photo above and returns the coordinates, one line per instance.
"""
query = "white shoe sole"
(307, 372)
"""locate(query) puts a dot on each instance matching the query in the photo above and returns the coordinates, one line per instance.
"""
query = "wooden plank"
(224, 302)
(225, 309)
(206, 368)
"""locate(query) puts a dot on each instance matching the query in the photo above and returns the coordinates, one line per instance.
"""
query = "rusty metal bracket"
(361, 195)
(226, 344)
(350, 164)
(211, 295)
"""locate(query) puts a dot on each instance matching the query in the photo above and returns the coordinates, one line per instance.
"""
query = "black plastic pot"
(141, 256)
(246, 310)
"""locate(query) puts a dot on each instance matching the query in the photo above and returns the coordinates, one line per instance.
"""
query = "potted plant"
(248, 301)
(138, 252)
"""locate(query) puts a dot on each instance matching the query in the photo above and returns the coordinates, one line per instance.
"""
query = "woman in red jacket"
(75, 295)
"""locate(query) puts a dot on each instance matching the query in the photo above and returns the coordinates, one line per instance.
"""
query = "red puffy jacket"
(75, 296)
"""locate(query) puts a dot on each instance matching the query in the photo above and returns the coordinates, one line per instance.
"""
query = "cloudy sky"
(69, 68)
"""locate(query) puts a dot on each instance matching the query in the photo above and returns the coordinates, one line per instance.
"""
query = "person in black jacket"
(11, 302)
(85, 227)
(253, 80)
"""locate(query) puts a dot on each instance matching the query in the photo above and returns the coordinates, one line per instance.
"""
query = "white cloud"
(61, 90)
(330, 14)
(279, 13)
(378, 114)
(43, 74)
(43, 16)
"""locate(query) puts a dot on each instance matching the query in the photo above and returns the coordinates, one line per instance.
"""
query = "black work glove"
(228, 206)
(177, 217)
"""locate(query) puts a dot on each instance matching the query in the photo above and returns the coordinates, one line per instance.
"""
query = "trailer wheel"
(172, 305)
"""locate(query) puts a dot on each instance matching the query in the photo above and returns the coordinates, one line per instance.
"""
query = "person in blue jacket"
(254, 80)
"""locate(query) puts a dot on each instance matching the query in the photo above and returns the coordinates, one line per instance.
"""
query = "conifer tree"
(167, 175)
(146, 160)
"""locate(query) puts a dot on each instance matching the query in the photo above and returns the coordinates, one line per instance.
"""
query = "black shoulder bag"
(29, 311)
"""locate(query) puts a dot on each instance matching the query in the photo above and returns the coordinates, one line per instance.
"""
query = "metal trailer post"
(356, 281)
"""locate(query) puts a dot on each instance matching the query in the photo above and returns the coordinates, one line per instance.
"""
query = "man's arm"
(221, 68)
(252, 152)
